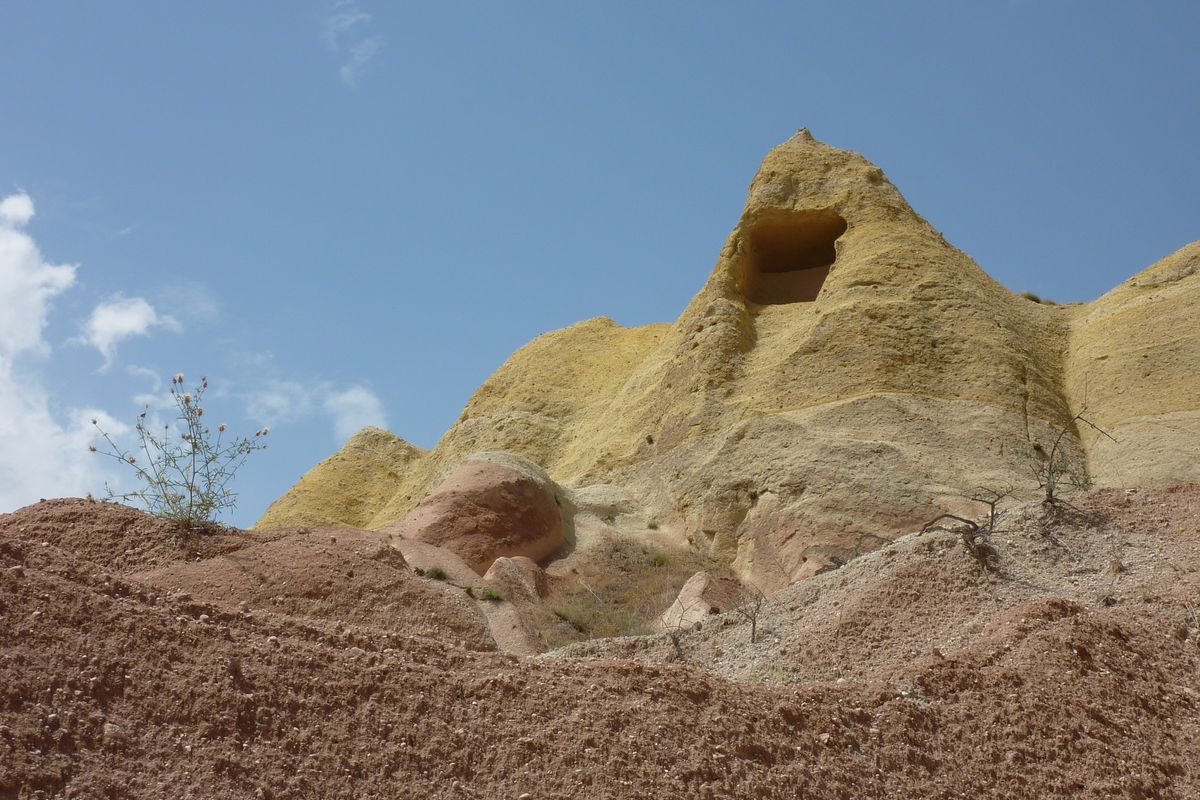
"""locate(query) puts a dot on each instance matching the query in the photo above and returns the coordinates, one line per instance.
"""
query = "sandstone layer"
(844, 375)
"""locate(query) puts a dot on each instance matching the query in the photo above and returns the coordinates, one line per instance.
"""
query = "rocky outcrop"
(519, 577)
(349, 487)
(486, 508)
(844, 375)
(702, 595)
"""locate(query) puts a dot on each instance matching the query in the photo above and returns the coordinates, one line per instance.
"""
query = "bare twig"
(1057, 465)
(753, 600)
(991, 496)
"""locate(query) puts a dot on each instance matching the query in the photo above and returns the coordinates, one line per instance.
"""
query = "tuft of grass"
(1046, 301)
(608, 519)
(652, 524)
(573, 616)
(658, 559)
(491, 595)
(470, 590)
(437, 573)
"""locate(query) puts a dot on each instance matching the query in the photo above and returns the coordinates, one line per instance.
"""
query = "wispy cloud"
(343, 18)
(353, 409)
(279, 402)
(190, 303)
(359, 62)
(344, 31)
(119, 318)
(348, 408)
(155, 398)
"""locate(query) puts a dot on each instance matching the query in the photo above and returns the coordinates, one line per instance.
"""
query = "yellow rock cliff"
(842, 376)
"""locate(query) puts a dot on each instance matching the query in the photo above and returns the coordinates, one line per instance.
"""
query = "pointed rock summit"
(843, 376)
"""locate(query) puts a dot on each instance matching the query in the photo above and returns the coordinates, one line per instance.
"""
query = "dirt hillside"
(137, 662)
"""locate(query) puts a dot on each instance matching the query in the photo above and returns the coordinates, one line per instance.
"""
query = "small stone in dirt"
(113, 735)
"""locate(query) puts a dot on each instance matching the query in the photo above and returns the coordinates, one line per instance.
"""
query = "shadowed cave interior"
(788, 256)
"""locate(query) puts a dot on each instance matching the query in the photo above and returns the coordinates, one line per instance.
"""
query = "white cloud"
(353, 409)
(349, 408)
(27, 281)
(16, 210)
(39, 456)
(119, 318)
(341, 26)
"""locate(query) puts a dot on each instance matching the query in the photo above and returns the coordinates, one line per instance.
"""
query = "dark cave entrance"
(788, 256)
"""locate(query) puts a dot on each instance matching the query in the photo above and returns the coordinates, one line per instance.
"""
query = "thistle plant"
(183, 470)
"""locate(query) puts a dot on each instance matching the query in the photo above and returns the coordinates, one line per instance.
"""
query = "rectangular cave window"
(788, 256)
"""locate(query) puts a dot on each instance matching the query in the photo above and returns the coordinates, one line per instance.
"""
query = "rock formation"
(702, 595)
(486, 508)
(520, 576)
(844, 375)
(350, 486)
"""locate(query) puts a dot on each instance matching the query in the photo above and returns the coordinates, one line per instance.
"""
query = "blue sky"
(350, 213)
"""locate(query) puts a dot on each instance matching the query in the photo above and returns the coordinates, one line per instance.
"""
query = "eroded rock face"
(485, 509)
(1135, 365)
(702, 595)
(519, 577)
(349, 487)
(844, 375)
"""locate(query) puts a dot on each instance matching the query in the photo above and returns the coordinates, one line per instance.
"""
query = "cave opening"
(788, 256)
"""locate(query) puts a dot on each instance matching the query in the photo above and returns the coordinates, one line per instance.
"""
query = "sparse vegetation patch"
(183, 469)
